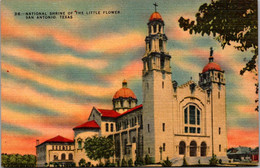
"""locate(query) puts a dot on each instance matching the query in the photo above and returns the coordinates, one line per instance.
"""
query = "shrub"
(123, 163)
(107, 163)
(184, 162)
(88, 164)
(166, 163)
(199, 161)
(130, 163)
(101, 164)
(147, 159)
(139, 161)
(213, 161)
(82, 162)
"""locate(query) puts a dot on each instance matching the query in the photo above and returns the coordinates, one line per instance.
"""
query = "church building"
(173, 120)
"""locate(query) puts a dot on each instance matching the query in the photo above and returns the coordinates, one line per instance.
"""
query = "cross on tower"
(155, 5)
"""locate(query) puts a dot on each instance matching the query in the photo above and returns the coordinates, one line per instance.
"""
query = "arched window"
(107, 127)
(63, 156)
(192, 120)
(182, 148)
(154, 29)
(160, 45)
(203, 149)
(55, 157)
(193, 148)
(70, 156)
(162, 63)
(111, 127)
(130, 101)
(79, 143)
(121, 103)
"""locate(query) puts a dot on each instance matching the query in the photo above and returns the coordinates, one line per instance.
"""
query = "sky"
(55, 70)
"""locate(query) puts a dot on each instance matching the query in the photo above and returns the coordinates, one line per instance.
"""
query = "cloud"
(242, 137)
(22, 94)
(131, 71)
(180, 60)
(53, 59)
(108, 43)
(79, 88)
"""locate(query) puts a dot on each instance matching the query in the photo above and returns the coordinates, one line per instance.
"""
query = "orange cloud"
(112, 43)
(28, 96)
(243, 137)
(132, 71)
(78, 88)
(53, 59)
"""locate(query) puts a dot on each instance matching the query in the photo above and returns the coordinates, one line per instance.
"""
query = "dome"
(124, 92)
(155, 16)
(211, 66)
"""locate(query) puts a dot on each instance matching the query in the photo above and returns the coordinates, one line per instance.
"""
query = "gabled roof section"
(108, 113)
(189, 83)
(57, 139)
(88, 124)
(132, 109)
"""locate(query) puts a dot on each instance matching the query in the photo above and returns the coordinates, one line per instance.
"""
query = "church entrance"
(193, 148)
(203, 148)
(182, 148)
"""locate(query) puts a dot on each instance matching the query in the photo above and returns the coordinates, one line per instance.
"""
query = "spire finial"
(124, 84)
(211, 59)
(211, 51)
(155, 5)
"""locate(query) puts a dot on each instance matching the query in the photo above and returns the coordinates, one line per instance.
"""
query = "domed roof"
(155, 16)
(124, 92)
(211, 66)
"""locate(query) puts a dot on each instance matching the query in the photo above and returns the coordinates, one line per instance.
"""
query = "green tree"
(32, 160)
(82, 162)
(12, 159)
(5, 160)
(99, 147)
(229, 21)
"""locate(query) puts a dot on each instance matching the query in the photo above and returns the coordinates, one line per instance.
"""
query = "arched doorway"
(182, 148)
(70, 156)
(193, 148)
(63, 156)
(203, 149)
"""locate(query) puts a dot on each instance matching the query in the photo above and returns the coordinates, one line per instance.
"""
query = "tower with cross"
(157, 91)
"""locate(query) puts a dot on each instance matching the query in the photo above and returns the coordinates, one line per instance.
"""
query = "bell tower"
(157, 92)
(212, 79)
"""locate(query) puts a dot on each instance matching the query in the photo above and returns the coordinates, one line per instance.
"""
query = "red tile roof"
(155, 16)
(132, 109)
(109, 113)
(58, 139)
(88, 124)
(124, 93)
(114, 114)
(211, 66)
